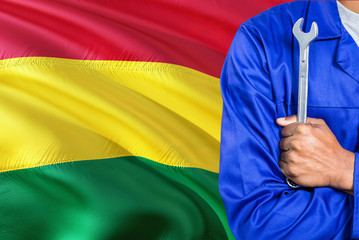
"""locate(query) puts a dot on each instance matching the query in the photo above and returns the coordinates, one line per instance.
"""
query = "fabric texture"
(124, 107)
(356, 193)
(260, 84)
(110, 117)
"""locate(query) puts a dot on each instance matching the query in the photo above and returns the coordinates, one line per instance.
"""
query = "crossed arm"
(259, 204)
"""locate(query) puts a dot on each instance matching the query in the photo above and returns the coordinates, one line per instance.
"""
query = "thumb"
(285, 121)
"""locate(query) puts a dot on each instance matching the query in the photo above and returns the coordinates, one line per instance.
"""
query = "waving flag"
(110, 117)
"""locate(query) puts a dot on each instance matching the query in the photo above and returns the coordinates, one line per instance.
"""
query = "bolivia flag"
(110, 117)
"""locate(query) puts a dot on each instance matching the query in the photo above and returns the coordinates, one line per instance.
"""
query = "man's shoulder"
(276, 19)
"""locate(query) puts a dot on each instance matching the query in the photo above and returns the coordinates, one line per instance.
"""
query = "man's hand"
(312, 156)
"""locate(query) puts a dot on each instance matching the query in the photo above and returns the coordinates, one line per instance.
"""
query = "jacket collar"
(348, 55)
(326, 14)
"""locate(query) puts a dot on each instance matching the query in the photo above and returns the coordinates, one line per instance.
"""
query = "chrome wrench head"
(303, 38)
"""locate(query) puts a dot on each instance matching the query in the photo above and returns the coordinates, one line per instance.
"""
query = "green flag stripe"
(117, 198)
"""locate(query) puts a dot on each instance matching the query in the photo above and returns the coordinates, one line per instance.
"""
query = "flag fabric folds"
(110, 117)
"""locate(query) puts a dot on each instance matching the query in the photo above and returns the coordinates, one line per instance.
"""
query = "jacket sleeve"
(259, 204)
(356, 197)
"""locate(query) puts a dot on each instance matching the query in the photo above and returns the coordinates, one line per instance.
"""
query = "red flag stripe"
(195, 34)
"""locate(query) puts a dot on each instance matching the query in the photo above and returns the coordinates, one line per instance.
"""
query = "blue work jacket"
(259, 83)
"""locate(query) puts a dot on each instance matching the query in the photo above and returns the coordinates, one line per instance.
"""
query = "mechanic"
(261, 141)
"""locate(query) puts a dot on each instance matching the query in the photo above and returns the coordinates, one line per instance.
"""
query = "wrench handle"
(303, 84)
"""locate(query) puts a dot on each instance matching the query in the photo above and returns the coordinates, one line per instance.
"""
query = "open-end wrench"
(304, 39)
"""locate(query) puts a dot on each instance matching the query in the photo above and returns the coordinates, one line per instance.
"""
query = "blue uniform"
(259, 84)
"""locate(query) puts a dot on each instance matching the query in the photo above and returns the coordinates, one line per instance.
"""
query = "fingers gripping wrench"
(304, 40)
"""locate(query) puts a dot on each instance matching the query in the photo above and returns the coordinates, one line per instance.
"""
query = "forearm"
(345, 180)
(277, 212)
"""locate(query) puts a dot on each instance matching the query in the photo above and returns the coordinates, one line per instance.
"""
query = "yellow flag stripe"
(55, 110)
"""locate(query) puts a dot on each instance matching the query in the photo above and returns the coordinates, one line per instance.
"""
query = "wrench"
(304, 39)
